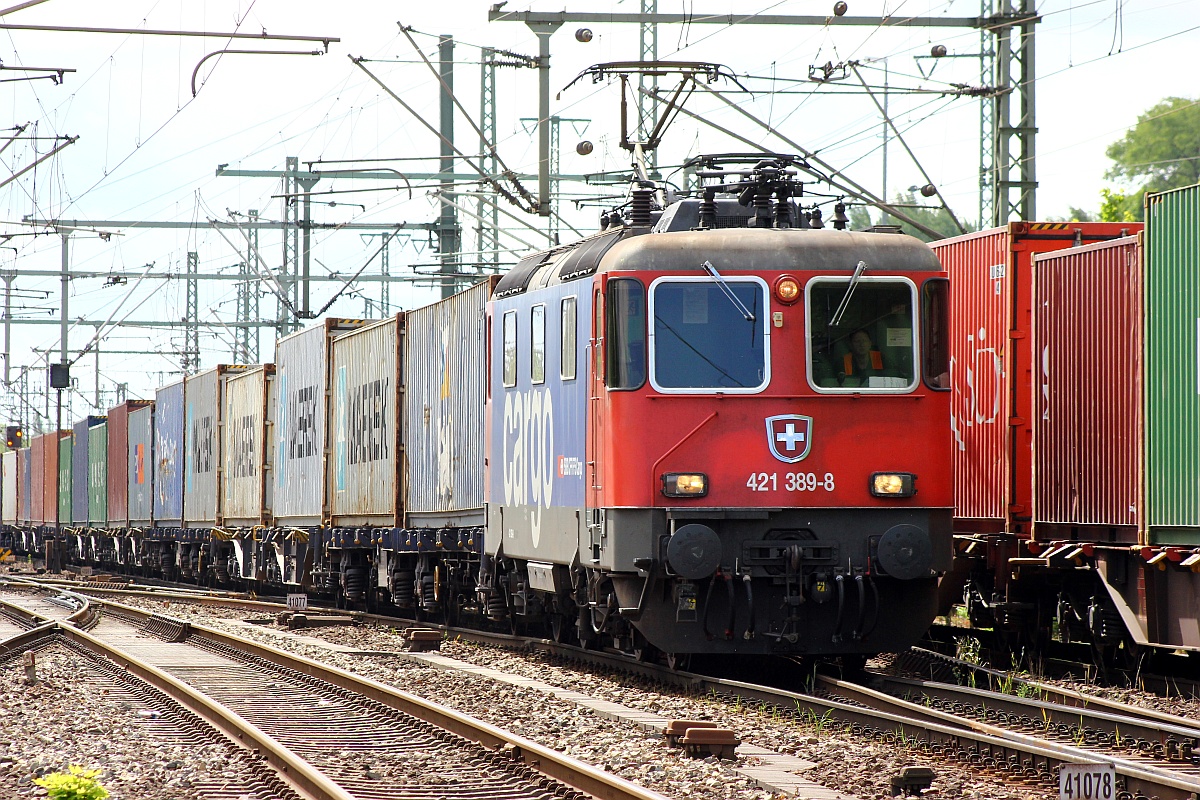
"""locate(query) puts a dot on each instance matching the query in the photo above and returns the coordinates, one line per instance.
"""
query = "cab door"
(596, 398)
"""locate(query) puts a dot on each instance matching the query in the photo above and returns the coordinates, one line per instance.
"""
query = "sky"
(148, 150)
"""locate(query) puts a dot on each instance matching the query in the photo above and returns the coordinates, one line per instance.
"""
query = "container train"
(1075, 352)
(715, 427)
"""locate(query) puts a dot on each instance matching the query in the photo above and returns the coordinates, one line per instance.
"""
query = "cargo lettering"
(242, 457)
(366, 423)
(302, 414)
(529, 461)
(202, 445)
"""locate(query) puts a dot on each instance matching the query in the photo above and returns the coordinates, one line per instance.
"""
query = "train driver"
(862, 362)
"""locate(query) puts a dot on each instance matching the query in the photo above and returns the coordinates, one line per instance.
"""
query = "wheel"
(643, 651)
(679, 662)
(561, 627)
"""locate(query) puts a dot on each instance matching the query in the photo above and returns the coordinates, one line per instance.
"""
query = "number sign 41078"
(1087, 782)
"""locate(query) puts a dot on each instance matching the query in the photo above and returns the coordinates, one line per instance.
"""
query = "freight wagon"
(1076, 517)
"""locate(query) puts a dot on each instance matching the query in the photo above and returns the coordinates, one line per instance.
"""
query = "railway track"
(1027, 740)
(330, 734)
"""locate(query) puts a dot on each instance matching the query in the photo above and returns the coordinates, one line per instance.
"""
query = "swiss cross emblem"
(789, 436)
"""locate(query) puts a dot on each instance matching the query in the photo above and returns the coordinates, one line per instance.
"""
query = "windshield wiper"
(841, 309)
(724, 286)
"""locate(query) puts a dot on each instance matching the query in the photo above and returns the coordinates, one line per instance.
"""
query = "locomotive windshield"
(873, 346)
(701, 340)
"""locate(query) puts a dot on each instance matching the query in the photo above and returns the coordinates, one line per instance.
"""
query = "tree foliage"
(1162, 151)
(1119, 207)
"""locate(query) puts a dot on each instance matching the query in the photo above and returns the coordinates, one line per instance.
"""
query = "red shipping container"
(118, 462)
(1087, 436)
(37, 483)
(44, 478)
(991, 364)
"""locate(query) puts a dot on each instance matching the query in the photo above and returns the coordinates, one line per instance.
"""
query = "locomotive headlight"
(893, 484)
(685, 484)
(787, 290)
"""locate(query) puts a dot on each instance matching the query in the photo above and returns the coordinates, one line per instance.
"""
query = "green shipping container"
(66, 447)
(97, 478)
(1172, 369)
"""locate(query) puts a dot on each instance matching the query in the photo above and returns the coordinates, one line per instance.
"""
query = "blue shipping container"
(79, 470)
(168, 456)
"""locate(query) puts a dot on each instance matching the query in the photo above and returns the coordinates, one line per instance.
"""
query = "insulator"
(840, 220)
(840, 8)
(816, 220)
(584, 148)
(938, 51)
(763, 218)
(639, 216)
(708, 211)
(783, 210)
(583, 35)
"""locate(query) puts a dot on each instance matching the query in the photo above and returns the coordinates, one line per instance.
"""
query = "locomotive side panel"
(169, 457)
(141, 466)
(365, 481)
(537, 410)
(444, 394)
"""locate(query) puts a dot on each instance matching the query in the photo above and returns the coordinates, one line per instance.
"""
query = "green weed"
(75, 784)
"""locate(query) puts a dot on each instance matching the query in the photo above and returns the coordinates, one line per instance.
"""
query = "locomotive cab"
(752, 456)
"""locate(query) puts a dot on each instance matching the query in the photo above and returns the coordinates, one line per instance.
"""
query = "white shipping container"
(445, 384)
(245, 499)
(8, 488)
(364, 481)
(301, 414)
(141, 467)
(203, 404)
